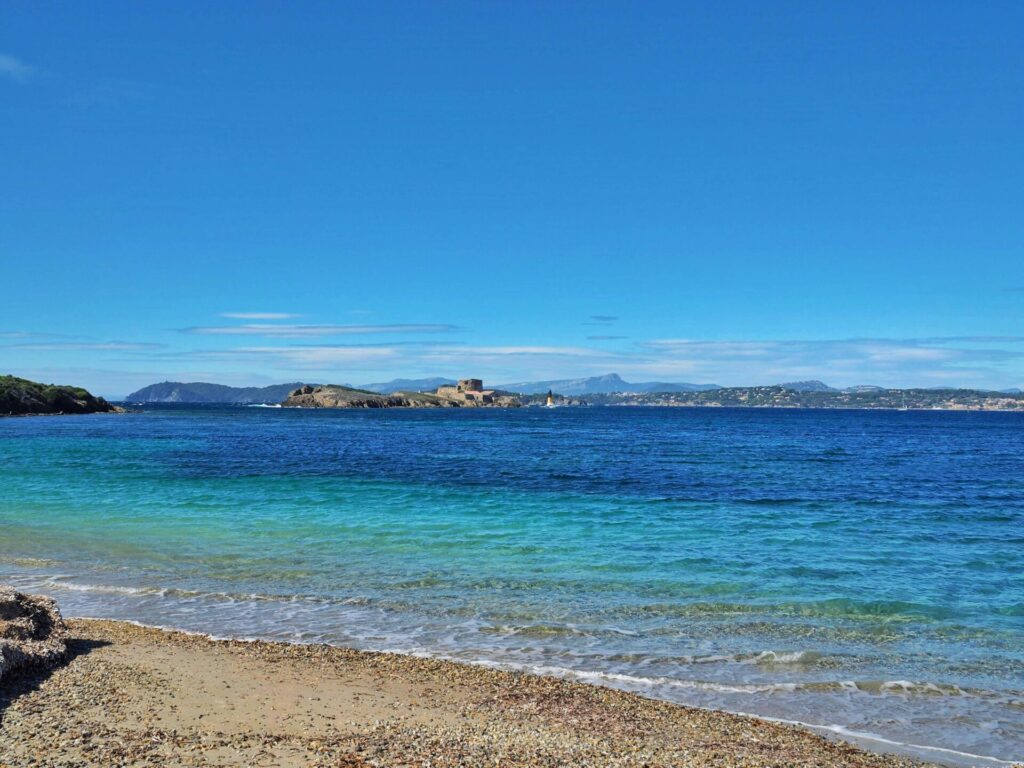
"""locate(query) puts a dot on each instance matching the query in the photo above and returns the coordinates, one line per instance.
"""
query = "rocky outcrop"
(345, 397)
(21, 397)
(32, 632)
(332, 396)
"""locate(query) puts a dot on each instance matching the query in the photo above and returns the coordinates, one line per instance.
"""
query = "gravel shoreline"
(137, 696)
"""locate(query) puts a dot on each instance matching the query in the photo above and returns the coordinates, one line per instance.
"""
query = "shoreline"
(136, 695)
(873, 743)
(915, 753)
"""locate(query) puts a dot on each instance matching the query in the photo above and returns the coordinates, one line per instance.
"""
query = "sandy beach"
(130, 695)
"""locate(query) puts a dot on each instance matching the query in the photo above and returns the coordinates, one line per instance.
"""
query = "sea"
(860, 572)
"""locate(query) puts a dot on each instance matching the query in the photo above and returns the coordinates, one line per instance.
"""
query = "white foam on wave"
(180, 631)
(58, 582)
(786, 657)
(864, 736)
(752, 657)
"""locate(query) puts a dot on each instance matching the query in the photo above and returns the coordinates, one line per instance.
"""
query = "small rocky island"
(21, 397)
(468, 393)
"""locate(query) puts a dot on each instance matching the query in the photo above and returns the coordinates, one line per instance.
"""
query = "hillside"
(408, 385)
(812, 385)
(201, 392)
(610, 382)
(784, 397)
(21, 397)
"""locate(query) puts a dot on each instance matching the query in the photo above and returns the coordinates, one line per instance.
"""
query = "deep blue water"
(862, 571)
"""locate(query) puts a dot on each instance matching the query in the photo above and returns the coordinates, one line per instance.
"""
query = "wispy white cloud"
(35, 335)
(315, 357)
(981, 361)
(843, 361)
(509, 362)
(259, 315)
(283, 331)
(14, 69)
(966, 361)
(521, 350)
(99, 346)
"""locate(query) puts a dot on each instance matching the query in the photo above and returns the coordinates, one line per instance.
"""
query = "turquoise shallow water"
(860, 571)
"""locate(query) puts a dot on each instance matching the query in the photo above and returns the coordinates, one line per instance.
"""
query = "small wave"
(58, 582)
(867, 687)
(836, 608)
(787, 657)
(874, 738)
(533, 630)
(554, 630)
(29, 562)
(264, 405)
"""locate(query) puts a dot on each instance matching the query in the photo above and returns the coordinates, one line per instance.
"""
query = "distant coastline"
(607, 390)
(783, 397)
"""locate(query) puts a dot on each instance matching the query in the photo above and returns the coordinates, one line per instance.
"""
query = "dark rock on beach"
(32, 632)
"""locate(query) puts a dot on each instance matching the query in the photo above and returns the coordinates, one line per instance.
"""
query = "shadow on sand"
(24, 681)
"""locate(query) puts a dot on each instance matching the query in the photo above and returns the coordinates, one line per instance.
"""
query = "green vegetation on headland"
(785, 397)
(21, 397)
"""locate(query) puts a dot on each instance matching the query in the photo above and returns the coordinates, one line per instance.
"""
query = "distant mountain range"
(201, 392)
(596, 385)
(408, 385)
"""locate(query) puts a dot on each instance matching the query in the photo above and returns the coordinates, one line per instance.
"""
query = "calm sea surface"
(861, 571)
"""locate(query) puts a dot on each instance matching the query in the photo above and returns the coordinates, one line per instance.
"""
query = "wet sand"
(133, 696)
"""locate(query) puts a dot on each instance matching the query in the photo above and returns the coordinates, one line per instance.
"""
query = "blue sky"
(722, 192)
